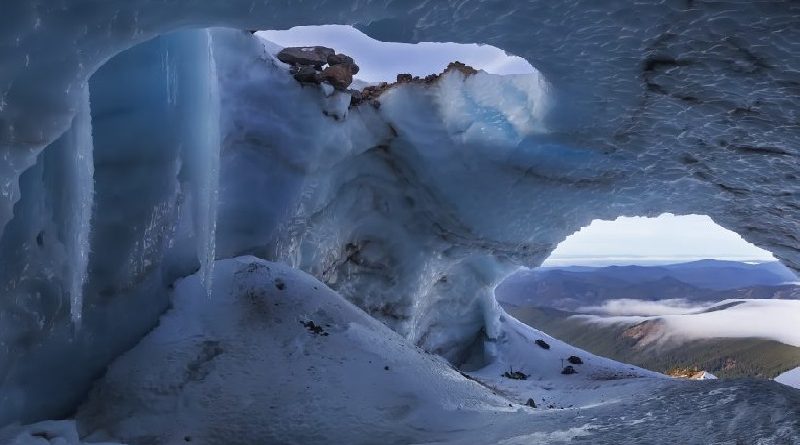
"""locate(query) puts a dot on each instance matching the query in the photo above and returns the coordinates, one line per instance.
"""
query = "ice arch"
(414, 211)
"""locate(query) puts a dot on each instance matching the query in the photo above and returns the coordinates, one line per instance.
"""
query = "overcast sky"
(667, 238)
(382, 61)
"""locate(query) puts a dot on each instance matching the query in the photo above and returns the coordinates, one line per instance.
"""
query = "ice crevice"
(149, 154)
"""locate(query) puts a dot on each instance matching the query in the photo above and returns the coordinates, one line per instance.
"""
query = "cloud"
(769, 319)
(629, 306)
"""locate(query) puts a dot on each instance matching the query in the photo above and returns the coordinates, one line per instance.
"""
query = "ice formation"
(204, 147)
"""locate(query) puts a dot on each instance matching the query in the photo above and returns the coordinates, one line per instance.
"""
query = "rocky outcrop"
(340, 76)
(316, 56)
(308, 65)
(371, 93)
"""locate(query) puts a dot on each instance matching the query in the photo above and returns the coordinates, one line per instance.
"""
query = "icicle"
(81, 189)
(208, 180)
(197, 107)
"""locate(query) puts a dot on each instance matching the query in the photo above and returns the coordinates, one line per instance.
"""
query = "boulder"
(341, 59)
(575, 360)
(531, 403)
(316, 56)
(542, 344)
(569, 370)
(403, 78)
(340, 76)
(307, 74)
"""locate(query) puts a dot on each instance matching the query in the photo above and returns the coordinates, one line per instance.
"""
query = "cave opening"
(676, 294)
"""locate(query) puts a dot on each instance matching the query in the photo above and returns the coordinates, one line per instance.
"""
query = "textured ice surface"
(413, 211)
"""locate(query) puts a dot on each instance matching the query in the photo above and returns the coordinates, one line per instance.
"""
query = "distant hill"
(638, 344)
(572, 287)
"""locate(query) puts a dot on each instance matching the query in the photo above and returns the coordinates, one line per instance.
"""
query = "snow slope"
(247, 366)
(248, 363)
(790, 378)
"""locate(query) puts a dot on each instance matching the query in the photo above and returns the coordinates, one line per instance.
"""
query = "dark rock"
(385, 368)
(461, 67)
(543, 344)
(575, 360)
(355, 97)
(531, 403)
(316, 56)
(339, 76)
(403, 78)
(307, 74)
(569, 370)
(515, 375)
(341, 59)
(314, 328)
(280, 284)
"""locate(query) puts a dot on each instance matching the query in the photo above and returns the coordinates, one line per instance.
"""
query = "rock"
(531, 403)
(575, 360)
(339, 76)
(355, 97)
(403, 78)
(316, 56)
(341, 59)
(569, 370)
(515, 375)
(307, 74)
(463, 68)
(543, 344)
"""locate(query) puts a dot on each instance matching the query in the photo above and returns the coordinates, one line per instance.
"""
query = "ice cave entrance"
(382, 61)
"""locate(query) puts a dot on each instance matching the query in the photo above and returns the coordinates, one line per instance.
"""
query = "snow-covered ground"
(276, 357)
(790, 378)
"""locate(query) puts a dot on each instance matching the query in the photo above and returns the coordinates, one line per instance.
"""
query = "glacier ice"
(413, 211)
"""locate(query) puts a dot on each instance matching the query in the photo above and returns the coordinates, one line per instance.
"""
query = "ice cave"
(196, 247)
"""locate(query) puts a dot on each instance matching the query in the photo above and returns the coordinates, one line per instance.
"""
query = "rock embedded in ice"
(340, 76)
(342, 59)
(316, 56)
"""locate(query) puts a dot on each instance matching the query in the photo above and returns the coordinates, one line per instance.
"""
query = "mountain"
(570, 288)
(641, 344)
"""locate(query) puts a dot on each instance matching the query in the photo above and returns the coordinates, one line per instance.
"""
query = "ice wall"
(151, 220)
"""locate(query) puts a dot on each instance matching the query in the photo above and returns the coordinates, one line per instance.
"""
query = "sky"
(382, 61)
(665, 239)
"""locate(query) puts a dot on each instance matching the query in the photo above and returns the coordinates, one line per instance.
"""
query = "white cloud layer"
(630, 306)
(769, 319)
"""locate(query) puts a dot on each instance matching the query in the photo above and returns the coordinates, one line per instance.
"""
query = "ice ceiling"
(123, 170)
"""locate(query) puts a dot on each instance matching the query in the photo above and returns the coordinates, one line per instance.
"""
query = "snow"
(790, 378)
(248, 364)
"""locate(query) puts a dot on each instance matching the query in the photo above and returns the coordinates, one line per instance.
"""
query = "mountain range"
(574, 287)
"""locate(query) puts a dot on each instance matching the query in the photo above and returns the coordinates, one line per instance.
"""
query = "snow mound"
(274, 356)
